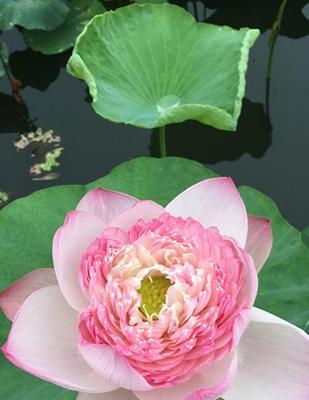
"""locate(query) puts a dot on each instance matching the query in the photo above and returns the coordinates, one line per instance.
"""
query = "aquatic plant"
(46, 148)
(64, 36)
(32, 14)
(151, 65)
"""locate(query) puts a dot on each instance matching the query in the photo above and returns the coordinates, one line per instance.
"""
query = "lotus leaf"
(151, 1)
(32, 14)
(305, 236)
(62, 38)
(152, 64)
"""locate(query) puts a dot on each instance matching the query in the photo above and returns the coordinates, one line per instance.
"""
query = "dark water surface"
(269, 151)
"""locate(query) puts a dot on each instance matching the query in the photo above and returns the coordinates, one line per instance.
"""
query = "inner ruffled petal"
(166, 295)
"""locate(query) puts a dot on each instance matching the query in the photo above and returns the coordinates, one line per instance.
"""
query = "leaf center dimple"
(167, 102)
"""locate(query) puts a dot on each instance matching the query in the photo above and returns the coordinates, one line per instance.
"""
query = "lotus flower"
(153, 303)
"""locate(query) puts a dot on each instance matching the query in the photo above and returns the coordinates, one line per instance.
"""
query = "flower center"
(153, 290)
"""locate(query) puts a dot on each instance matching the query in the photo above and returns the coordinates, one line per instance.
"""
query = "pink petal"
(214, 202)
(259, 241)
(273, 361)
(209, 384)
(146, 209)
(105, 204)
(43, 341)
(119, 394)
(70, 241)
(113, 367)
(14, 296)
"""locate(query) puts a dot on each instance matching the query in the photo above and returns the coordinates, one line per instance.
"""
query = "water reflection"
(14, 117)
(35, 69)
(210, 145)
(260, 14)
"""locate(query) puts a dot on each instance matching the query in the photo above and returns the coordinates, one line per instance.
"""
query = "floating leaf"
(62, 38)
(306, 329)
(151, 1)
(305, 236)
(32, 14)
(46, 147)
(152, 64)
(284, 281)
(4, 58)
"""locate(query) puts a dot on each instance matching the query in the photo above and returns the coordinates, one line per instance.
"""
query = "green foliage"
(284, 281)
(63, 37)
(151, 1)
(305, 236)
(158, 179)
(27, 226)
(149, 77)
(32, 14)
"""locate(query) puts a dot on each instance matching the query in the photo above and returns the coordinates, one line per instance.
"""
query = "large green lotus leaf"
(152, 64)
(305, 236)
(26, 229)
(62, 38)
(284, 280)
(158, 179)
(4, 58)
(32, 14)
(27, 226)
(151, 1)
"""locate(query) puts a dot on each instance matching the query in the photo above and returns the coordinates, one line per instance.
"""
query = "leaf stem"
(162, 139)
(15, 90)
(274, 36)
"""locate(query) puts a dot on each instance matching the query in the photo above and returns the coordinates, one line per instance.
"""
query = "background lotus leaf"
(63, 37)
(152, 64)
(305, 236)
(32, 14)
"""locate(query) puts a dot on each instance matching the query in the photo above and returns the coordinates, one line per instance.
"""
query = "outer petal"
(14, 296)
(113, 367)
(214, 202)
(273, 361)
(44, 339)
(260, 240)
(209, 384)
(105, 204)
(119, 394)
(146, 209)
(70, 241)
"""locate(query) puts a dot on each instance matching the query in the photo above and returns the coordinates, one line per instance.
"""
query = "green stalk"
(162, 139)
(273, 37)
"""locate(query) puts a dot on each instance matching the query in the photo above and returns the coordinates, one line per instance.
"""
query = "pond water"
(269, 151)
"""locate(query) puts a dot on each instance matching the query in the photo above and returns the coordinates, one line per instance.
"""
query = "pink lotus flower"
(152, 304)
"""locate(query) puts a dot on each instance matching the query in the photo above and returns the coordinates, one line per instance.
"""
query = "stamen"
(153, 290)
